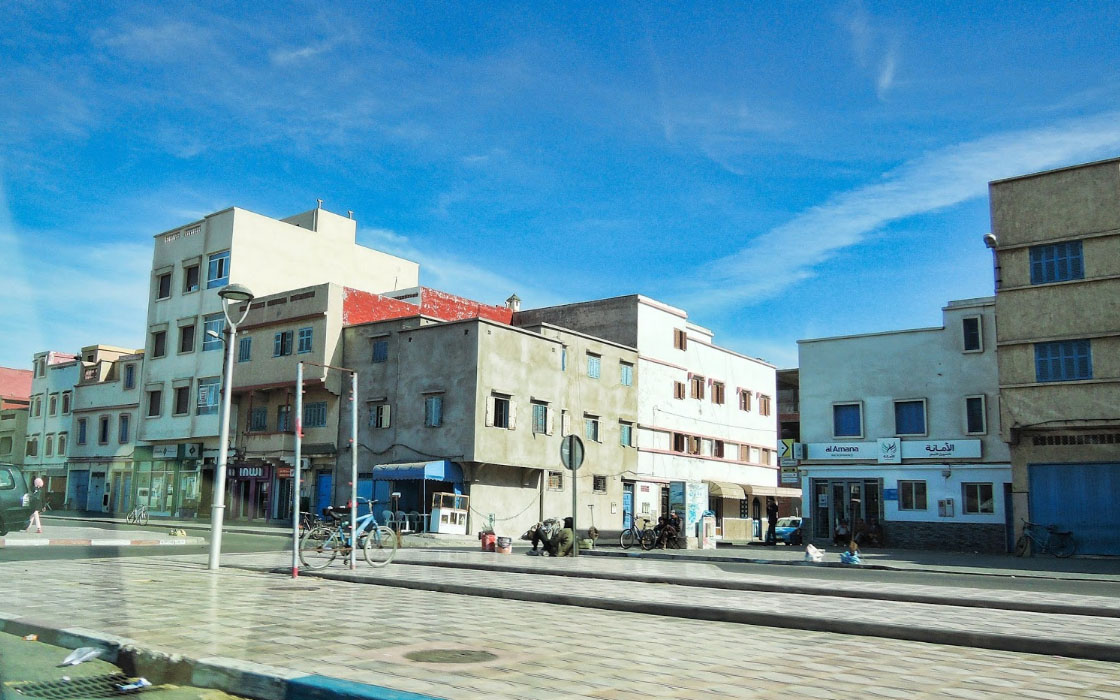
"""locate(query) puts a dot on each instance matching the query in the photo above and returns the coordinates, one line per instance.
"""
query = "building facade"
(901, 431)
(48, 425)
(1056, 247)
(15, 398)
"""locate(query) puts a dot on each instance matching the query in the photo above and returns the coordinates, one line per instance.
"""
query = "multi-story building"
(103, 430)
(1056, 245)
(48, 425)
(900, 430)
(705, 414)
(183, 357)
(15, 397)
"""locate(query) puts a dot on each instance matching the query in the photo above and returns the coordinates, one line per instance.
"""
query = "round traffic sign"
(571, 452)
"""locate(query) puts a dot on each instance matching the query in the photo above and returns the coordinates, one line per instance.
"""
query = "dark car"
(789, 530)
(14, 498)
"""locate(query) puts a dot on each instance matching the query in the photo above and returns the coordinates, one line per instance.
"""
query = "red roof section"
(363, 307)
(15, 384)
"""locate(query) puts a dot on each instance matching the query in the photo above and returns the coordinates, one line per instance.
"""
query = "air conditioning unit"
(304, 463)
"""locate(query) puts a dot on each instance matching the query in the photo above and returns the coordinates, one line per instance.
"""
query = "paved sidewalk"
(68, 535)
(257, 630)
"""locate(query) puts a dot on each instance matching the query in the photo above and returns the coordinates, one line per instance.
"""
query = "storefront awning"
(726, 490)
(775, 491)
(440, 470)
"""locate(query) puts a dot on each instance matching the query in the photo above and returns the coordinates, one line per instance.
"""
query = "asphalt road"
(232, 542)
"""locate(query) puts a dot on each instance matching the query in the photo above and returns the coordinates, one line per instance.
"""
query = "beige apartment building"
(15, 398)
(1056, 245)
(47, 443)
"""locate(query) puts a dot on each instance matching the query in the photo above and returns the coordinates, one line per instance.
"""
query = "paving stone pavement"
(362, 633)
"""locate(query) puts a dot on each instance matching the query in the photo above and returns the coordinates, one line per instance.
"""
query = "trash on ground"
(30, 637)
(81, 655)
(137, 684)
(813, 554)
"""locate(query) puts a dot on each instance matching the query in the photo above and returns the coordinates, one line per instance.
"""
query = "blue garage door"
(1083, 498)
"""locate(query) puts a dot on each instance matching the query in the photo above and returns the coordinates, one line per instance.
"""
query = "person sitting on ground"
(852, 555)
(859, 532)
(670, 529)
(544, 534)
(841, 536)
(564, 541)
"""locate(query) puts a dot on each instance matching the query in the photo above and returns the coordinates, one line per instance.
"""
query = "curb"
(233, 676)
(7, 542)
(1096, 651)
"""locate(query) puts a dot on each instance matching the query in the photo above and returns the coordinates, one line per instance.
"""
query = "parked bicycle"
(321, 545)
(138, 515)
(639, 532)
(1047, 539)
(310, 521)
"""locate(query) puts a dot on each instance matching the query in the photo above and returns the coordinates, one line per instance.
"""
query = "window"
(973, 341)
(81, 431)
(626, 373)
(245, 349)
(379, 415)
(591, 427)
(163, 286)
(599, 483)
(66, 403)
(717, 448)
(305, 335)
(499, 412)
(5, 449)
(52, 405)
(975, 415)
(593, 362)
(282, 344)
(847, 420)
(258, 419)
(190, 279)
(763, 405)
(540, 418)
(564, 359)
(911, 495)
(680, 339)
(433, 411)
(33, 446)
(103, 430)
(706, 447)
(910, 417)
(38, 407)
(678, 390)
(62, 444)
(159, 343)
(717, 392)
(315, 414)
(978, 499)
(186, 338)
(1056, 262)
(693, 444)
(123, 426)
(696, 385)
(214, 323)
(181, 401)
(744, 453)
(625, 434)
(283, 419)
(380, 350)
(1063, 361)
(208, 393)
(49, 442)
(556, 481)
(155, 405)
(680, 442)
(130, 376)
(766, 456)
(217, 274)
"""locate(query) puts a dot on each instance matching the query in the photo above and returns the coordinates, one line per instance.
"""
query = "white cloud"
(932, 182)
(874, 47)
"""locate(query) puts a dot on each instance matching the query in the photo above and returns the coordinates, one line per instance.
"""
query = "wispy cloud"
(875, 48)
(932, 182)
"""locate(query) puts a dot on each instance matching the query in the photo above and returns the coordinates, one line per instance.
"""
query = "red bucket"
(488, 540)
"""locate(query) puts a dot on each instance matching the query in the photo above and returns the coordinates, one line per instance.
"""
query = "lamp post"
(231, 294)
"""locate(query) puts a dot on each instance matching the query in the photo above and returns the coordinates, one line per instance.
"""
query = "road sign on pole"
(571, 456)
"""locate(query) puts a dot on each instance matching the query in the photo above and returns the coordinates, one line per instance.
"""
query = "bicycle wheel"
(319, 548)
(626, 539)
(131, 517)
(1021, 545)
(1062, 545)
(649, 539)
(142, 518)
(381, 546)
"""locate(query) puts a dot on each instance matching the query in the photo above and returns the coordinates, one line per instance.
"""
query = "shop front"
(415, 482)
(248, 491)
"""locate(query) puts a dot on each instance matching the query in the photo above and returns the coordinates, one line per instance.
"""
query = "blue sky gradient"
(780, 170)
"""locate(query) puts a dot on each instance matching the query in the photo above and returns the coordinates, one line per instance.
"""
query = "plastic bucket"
(488, 541)
(504, 545)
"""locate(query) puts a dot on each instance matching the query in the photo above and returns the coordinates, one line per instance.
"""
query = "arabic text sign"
(941, 449)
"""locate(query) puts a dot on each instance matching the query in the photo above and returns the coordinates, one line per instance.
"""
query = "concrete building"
(183, 360)
(1056, 245)
(103, 432)
(15, 398)
(48, 425)
(705, 415)
(901, 429)
(478, 407)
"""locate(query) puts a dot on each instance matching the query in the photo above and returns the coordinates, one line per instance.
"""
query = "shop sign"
(165, 451)
(284, 472)
(941, 449)
(789, 475)
(842, 450)
(890, 494)
(890, 451)
(248, 472)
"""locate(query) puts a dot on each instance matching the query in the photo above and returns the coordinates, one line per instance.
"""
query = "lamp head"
(990, 240)
(236, 292)
(213, 334)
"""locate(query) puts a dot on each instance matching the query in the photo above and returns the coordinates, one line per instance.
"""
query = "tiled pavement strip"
(361, 633)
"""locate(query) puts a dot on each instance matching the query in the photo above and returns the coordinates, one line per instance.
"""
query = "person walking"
(772, 520)
(36, 504)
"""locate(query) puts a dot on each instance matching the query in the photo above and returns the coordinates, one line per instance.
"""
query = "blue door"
(323, 494)
(1080, 498)
(79, 489)
(627, 506)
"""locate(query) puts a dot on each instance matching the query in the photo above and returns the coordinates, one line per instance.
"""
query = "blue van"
(14, 499)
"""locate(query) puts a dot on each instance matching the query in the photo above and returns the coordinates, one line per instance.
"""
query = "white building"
(705, 413)
(902, 428)
(48, 425)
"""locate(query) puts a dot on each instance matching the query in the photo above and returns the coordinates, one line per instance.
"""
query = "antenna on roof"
(319, 204)
(349, 213)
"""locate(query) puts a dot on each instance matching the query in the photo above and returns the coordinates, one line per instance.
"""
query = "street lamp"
(231, 295)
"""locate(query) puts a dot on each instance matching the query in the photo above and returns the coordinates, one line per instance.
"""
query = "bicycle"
(1060, 543)
(321, 545)
(644, 535)
(138, 515)
(309, 521)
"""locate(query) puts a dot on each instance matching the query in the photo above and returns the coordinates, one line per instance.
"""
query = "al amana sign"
(893, 450)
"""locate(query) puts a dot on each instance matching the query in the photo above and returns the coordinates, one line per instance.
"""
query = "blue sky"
(780, 170)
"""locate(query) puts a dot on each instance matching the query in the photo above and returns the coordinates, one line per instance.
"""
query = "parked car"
(13, 499)
(789, 530)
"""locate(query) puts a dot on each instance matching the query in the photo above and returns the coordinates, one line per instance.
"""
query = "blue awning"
(439, 470)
